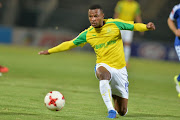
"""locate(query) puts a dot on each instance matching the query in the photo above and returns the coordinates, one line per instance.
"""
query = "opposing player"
(175, 15)
(128, 10)
(105, 37)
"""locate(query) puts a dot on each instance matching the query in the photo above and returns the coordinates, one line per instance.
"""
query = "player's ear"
(103, 15)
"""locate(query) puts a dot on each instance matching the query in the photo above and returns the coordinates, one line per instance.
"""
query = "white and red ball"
(54, 100)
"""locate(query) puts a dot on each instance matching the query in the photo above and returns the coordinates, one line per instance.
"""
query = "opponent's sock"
(127, 52)
(106, 94)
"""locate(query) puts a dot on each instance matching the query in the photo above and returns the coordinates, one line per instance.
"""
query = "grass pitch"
(31, 77)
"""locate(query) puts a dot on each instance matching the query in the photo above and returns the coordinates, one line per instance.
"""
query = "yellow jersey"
(127, 10)
(106, 41)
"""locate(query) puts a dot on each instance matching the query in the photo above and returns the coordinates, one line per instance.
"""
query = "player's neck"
(103, 23)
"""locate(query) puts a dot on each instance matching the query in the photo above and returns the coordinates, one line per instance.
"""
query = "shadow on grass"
(152, 115)
(14, 113)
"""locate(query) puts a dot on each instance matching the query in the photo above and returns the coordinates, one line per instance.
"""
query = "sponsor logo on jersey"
(105, 45)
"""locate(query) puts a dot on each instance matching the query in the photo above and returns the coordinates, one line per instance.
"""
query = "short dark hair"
(96, 6)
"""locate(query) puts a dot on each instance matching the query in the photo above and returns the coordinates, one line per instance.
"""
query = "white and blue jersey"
(175, 15)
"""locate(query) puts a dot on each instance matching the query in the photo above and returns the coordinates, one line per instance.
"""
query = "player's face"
(96, 17)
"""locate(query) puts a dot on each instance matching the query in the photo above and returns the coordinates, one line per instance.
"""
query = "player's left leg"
(120, 105)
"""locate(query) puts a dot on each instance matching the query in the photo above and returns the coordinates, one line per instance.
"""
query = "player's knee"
(103, 74)
(123, 112)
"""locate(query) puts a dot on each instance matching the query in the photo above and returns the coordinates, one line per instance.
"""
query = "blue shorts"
(177, 46)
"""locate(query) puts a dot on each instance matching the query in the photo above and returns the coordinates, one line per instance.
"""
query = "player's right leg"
(120, 92)
(104, 77)
(120, 105)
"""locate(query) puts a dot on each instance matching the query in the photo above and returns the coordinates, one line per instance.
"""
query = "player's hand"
(151, 26)
(45, 52)
(177, 32)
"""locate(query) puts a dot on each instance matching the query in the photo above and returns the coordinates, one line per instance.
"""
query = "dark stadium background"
(29, 26)
(71, 15)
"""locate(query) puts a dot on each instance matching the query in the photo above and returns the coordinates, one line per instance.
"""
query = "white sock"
(178, 88)
(127, 52)
(106, 94)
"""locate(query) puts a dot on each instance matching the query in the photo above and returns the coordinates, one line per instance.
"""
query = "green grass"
(31, 76)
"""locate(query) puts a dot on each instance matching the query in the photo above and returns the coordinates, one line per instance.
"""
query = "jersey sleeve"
(62, 47)
(129, 25)
(123, 25)
(80, 40)
(140, 27)
(174, 14)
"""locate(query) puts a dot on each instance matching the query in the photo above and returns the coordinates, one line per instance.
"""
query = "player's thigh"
(103, 71)
(120, 83)
(120, 104)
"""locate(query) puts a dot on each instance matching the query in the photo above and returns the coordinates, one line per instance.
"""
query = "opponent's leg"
(120, 105)
(177, 77)
(177, 81)
(104, 76)
(177, 48)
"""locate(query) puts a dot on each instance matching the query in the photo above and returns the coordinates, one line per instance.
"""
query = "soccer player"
(128, 10)
(105, 37)
(175, 15)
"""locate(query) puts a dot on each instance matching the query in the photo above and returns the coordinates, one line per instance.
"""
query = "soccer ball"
(54, 101)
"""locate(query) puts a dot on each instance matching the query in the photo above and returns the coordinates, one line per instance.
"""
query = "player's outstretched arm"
(61, 47)
(172, 26)
(144, 27)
